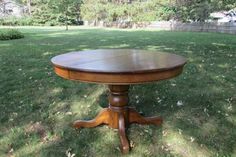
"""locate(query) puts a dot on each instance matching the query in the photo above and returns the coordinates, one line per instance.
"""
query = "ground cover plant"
(37, 107)
(10, 34)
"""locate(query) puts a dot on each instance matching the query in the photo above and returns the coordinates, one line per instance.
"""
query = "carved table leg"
(102, 118)
(124, 147)
(135, 117)
(118, 115)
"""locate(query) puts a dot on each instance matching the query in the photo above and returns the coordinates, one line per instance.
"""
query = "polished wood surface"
(118, 68)
(118, 61)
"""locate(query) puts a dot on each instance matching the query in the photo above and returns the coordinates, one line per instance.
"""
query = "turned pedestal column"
(118, 115)
(118, 68)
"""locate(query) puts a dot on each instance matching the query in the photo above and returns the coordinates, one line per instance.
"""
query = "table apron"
(117, 78)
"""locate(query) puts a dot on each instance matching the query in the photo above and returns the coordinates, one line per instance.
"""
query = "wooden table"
(118, 68)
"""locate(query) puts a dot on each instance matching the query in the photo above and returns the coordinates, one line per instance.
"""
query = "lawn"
(37, 107)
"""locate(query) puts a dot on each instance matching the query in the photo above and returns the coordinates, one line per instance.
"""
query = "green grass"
(37, 107)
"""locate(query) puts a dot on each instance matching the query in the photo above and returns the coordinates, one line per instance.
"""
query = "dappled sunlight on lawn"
(26, 140)
(218, 44)
(117, 46)
(178, 143)
(37, 107)
(30, 148)
(155, 47)
(47, 53)
(5, 45)
(63, 33)
(88, 103)
(56, 91)
(224, 66)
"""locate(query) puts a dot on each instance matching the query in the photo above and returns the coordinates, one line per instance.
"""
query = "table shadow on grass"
(85, 141)
(52, 120)
(204, 124)
(195, 127)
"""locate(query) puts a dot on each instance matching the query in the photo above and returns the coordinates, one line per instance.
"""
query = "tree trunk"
(29, 6)
(66, 22)
(66, 26)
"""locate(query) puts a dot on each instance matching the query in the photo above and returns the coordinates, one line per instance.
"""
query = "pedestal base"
(118, 115)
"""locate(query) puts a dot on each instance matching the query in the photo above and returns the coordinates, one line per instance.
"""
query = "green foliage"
(110, 11)
(69, 12)
(223, 4)
(196, 10)
(95, 10)
(12, 21)
(10, 34)
(151, 10)
(48, 12)
(165, 13)
(199, 10)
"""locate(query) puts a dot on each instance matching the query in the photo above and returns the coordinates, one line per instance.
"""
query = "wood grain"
(118, 61)
(119, 68)
(118, 115)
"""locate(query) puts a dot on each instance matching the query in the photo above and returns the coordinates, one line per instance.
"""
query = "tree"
(66, 9)
(199, 10)
(67, 12)
(120, 10)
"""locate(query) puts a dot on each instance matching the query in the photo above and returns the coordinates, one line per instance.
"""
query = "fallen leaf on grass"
(132, 144)
(10, 151)
(192, 139)
(69, 154)
(164, 133)
(180, 131)
(69, 113)
(180, 103)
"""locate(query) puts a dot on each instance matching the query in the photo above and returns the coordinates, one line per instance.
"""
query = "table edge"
(120, 72)
(118, 78)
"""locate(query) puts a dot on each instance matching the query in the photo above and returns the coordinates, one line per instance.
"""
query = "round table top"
(117, 66)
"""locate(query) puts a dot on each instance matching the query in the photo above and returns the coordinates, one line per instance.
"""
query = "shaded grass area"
(37, 107)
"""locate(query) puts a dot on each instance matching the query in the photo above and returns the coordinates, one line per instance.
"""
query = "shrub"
(10, 21)
(13, 21)
(9, 34)
(25, 21)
